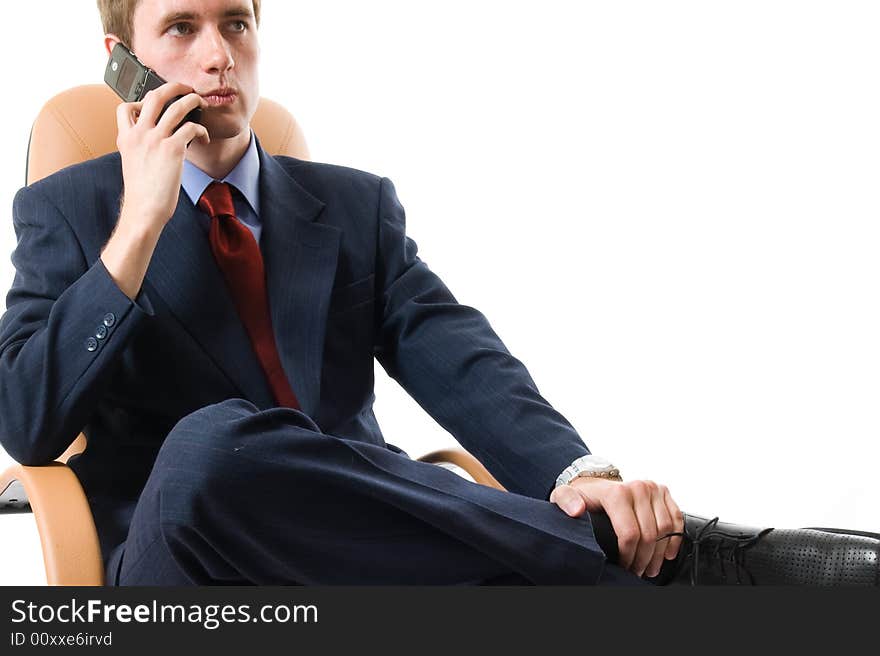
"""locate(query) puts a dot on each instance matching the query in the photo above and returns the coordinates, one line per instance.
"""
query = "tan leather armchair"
(74, 126)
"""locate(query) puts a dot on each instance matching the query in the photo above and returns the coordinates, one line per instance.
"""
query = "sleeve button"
(109, 319)
(101, 332)
(92, 344)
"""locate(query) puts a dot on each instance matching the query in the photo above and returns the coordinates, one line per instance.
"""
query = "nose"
(216, 54)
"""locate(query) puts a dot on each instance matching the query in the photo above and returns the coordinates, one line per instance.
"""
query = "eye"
(180, 29)
(238, 26)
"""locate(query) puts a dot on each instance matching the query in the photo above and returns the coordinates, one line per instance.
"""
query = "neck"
(219, 157)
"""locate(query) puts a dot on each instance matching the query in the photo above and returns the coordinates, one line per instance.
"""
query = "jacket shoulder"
(101, 174)
(87, 195)
(331, 182)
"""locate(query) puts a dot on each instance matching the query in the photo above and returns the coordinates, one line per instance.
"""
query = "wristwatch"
(592, 466)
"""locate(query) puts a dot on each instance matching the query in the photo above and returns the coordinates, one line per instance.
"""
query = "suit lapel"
(300, 262)
(183, 272)
(300, 259)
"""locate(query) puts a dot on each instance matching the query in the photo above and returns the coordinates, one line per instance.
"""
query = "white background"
(668, 211)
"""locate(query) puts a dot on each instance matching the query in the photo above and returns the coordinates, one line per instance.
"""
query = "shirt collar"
(245, 177)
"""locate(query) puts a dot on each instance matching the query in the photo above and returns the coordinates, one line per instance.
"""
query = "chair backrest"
(80, 124)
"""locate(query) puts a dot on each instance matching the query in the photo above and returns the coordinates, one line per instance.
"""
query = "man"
(214, 328)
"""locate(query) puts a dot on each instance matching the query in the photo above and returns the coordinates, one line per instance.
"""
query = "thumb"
(569, 499)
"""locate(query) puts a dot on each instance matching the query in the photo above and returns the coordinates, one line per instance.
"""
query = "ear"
(110, 41)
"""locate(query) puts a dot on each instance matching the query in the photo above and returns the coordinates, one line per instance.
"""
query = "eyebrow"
(177, 16)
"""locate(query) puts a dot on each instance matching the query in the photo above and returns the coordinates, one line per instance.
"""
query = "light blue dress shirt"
(245, 177)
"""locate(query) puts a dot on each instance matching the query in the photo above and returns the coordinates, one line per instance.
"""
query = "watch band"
(590, 466)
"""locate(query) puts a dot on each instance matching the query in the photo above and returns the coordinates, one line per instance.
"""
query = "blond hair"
(117, 17)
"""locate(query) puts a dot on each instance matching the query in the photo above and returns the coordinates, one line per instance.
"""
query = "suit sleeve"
(451, 361)
(64, 326)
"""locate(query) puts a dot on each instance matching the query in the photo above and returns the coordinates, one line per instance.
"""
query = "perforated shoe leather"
(720, 553)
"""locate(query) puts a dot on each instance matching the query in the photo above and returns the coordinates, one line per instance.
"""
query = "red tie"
(238, 257)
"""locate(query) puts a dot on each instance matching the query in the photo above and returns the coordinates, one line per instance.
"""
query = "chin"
(225, 129)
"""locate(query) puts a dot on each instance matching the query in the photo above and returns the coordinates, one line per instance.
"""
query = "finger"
(190, 131)
(177, 111)
(664, 526)
(126, 115)
(618, 506)
(569, 499)
(677, 525)
(643, 491)
(157, 98)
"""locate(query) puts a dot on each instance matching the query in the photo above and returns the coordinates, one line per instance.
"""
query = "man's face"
(210, 45)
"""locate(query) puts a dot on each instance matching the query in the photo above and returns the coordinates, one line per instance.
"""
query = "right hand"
(152, 156)
(641, 513)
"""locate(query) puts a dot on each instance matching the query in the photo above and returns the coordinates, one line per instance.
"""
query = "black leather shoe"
(718, 553)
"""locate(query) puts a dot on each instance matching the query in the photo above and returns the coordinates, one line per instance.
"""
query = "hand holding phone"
(132, 80)
(152, 150)
(156, 125)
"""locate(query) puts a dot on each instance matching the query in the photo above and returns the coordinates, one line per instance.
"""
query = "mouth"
(220, 97)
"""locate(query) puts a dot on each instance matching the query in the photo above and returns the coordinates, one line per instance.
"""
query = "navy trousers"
(239, 496)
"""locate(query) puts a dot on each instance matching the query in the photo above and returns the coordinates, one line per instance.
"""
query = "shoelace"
(736, 551)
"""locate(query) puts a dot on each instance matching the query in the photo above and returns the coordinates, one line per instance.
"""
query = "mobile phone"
(131, 80)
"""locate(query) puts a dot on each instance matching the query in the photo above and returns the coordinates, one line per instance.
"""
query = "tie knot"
(216, 200)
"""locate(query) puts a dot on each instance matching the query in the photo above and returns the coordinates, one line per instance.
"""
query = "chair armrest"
(466, 461)
(71, 551)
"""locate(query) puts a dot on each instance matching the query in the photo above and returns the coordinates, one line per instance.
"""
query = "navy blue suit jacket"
(345, 285)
